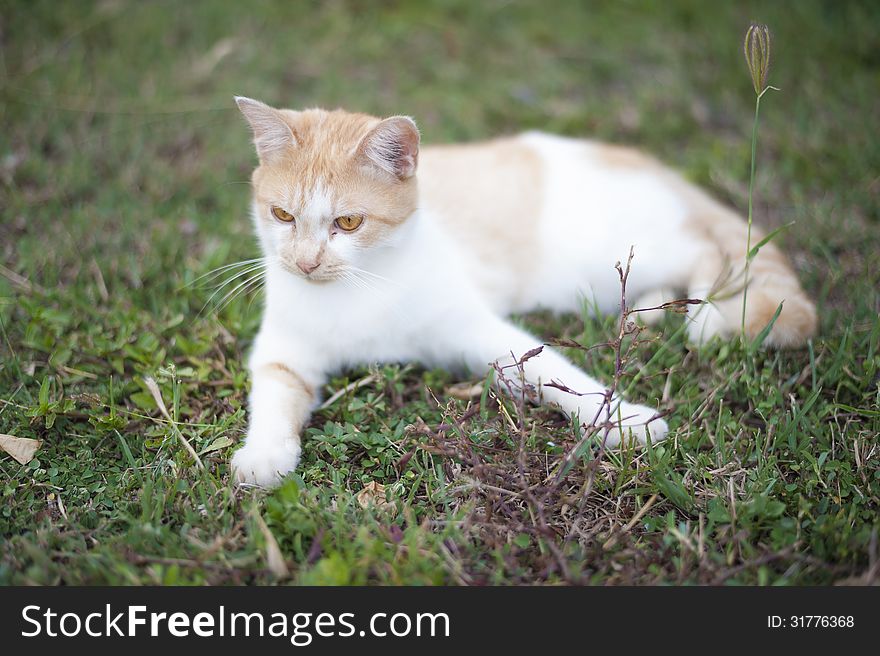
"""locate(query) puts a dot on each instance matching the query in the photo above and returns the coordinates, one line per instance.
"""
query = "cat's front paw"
(633, 422)
(265, 464)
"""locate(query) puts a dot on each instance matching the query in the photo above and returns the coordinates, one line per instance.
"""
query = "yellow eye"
(281, 215)
(349, 223)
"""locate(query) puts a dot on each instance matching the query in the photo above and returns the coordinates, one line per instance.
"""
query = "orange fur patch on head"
(326, 153)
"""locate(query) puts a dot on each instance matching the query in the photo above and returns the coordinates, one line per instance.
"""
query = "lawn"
(124, 170)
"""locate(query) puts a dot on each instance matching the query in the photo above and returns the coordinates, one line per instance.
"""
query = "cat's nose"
(307, 266)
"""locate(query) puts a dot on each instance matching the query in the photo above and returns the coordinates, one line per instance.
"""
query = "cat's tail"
(720, 279)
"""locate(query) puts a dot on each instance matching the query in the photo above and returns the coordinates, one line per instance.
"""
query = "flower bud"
(757, 51)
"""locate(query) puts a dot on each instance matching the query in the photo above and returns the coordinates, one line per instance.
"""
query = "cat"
(363, 264)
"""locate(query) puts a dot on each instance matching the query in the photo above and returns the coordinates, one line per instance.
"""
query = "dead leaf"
(465, 391)
(20, 448)
(220, 443)
(373, 493)
(274, 557)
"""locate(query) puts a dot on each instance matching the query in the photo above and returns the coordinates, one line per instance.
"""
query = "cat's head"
(331, 187)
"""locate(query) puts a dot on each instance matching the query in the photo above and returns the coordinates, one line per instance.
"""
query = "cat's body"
(429, 271)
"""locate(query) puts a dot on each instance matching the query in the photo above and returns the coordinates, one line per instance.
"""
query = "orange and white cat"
(366, 261)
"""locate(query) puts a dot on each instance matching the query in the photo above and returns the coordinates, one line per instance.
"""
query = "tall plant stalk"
(749, 228)
(756, 48)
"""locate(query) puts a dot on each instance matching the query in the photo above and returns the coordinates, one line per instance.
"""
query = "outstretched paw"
(265, 465)
(635, 422)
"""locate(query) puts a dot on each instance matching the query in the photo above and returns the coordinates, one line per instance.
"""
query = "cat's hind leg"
(771, 283)
(493, 339)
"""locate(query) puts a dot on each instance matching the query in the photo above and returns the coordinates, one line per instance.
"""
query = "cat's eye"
(349, 223)
(282, 215)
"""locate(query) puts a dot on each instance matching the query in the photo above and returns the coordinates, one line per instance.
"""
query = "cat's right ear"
(272, 134)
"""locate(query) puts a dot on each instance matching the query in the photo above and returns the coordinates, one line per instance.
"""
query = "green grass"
(123, 177)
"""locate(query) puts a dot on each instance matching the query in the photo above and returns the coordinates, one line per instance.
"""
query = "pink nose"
(307, 266)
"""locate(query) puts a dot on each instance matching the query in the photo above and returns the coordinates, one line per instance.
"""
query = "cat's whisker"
(366, 284)
(356, 282)
(214, 273)
(254, 289)
(261, 265)
(373, 275)
(255, 292)
(345, 281)
(219, 288)
(260, 268)
(238, 290)
(245, 268)
(239, 274)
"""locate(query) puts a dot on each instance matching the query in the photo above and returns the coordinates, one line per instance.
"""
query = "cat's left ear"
(393, 146)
